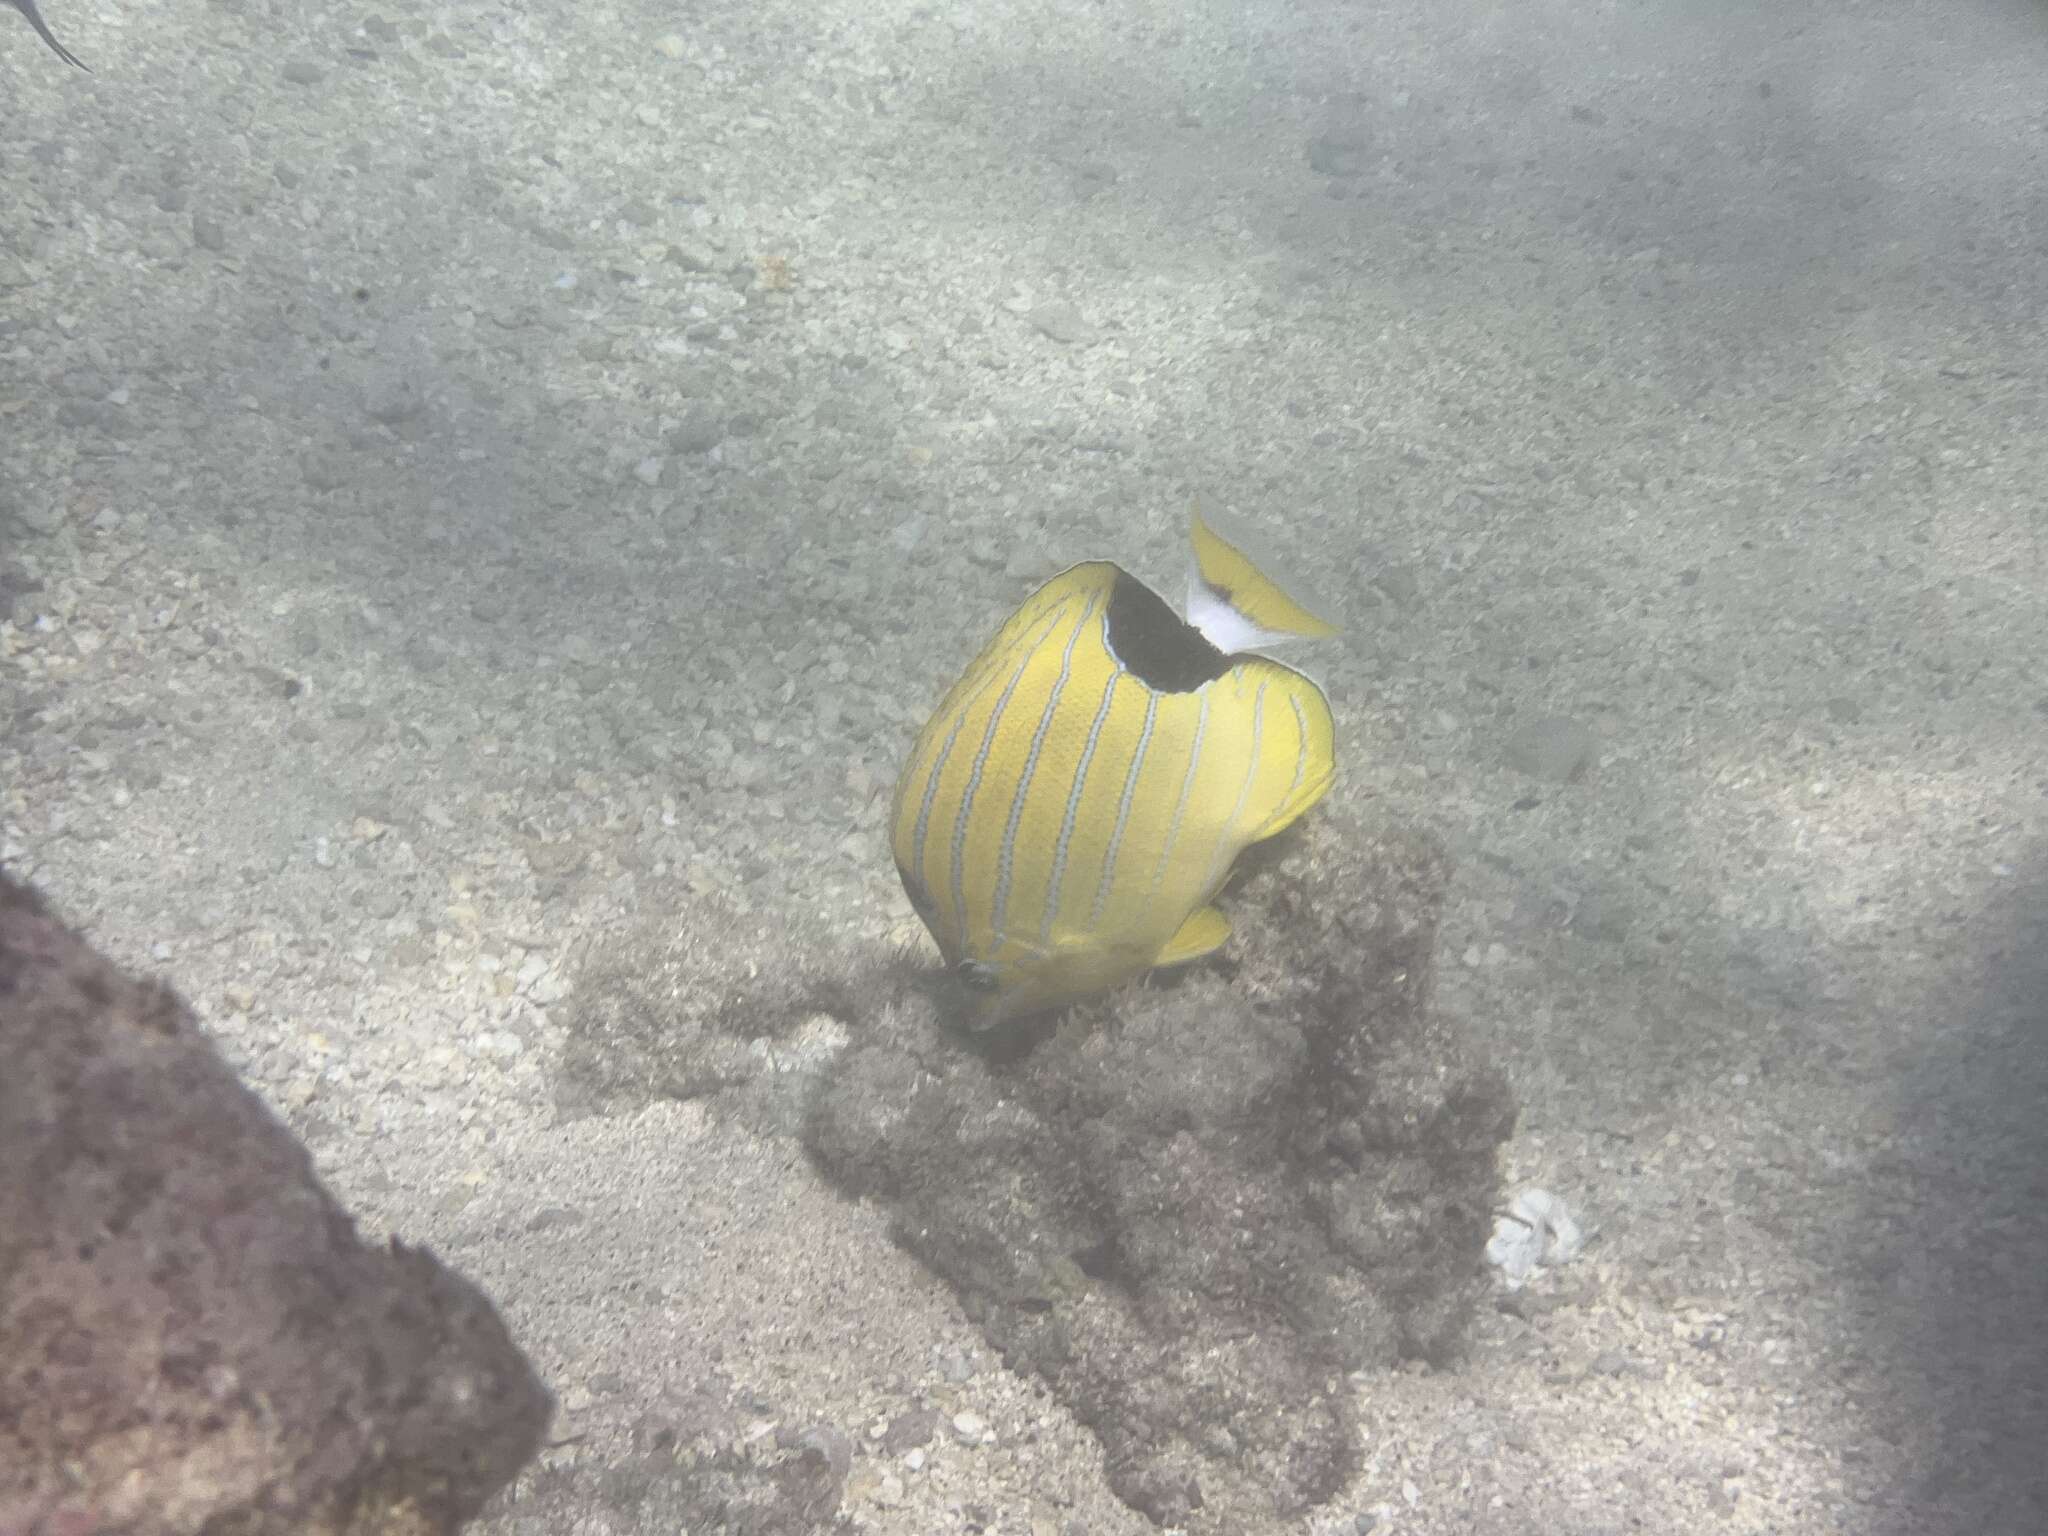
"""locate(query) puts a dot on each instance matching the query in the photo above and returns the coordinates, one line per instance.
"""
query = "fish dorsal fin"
(1202, 934)
(1233, 598)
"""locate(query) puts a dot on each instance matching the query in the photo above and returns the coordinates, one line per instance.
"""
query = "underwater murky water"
(491, 495)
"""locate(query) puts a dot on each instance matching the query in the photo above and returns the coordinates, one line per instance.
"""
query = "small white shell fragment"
(1537, 1229)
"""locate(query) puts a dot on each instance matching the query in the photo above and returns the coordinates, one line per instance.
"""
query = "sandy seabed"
(477, 478)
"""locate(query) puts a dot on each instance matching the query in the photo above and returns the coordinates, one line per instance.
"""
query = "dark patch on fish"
(1161, 649)
(35, 19)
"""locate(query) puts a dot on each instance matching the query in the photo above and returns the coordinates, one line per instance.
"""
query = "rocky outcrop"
(192, 1337)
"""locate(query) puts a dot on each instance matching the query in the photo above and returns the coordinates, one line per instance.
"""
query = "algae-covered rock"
(1193, 1208)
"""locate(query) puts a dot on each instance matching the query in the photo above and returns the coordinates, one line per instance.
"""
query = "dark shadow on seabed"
(1952, 1281)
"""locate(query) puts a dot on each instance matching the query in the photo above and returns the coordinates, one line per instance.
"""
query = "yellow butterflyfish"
(1080, 794)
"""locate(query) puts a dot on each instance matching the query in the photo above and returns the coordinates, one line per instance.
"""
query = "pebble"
(390, 400)
(552, 1216)
(37, 517)
(969, 1428)
(699, 431)
(1063, 323)
(1338, 154)
(1540, 1230)
(907, 1431)
(1553, 747)
(693, 258)
(501, 1043)
(1601, 916)
(827, 1441)
(956, 1366)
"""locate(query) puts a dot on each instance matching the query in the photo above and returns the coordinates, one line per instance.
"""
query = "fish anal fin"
(1202, 934)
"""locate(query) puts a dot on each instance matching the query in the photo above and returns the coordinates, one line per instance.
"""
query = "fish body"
(35, 19)
(1080, 794)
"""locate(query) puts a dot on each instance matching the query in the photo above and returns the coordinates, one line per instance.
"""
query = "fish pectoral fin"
(1202, 934)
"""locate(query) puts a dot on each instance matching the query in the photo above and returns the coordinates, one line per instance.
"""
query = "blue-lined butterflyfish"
(1078, 798)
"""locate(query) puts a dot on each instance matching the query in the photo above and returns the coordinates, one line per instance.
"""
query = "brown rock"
(1193, 1207)
(191, 1334)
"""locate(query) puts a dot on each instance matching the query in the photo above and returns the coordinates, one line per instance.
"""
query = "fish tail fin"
(1233, 598)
